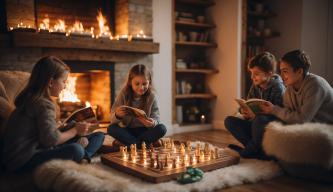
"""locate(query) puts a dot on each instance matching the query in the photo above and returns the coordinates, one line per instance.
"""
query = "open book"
(135, 112)
(253, 105)
(85, 114)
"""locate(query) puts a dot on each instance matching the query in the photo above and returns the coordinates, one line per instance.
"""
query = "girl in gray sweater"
(137, 93)
(32, 135)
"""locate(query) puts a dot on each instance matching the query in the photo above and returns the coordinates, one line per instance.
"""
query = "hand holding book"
(267, 107)
(124, 110)
(82, 116)
(251, 107)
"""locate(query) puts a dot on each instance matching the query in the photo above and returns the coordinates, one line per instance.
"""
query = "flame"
(60, 26)
(45, 25)
(77, 27)
(88, 104)
(103, 30)
(69, 93)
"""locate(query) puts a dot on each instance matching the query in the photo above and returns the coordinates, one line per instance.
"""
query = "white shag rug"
(60, 175)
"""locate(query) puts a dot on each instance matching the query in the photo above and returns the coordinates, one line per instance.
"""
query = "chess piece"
(206, 149)
(217, 152)
(174, 163)
(188, 146)
(212, 152)
(122, 151)
(193, 160)
(165, 144)
(172, 144)
(166, 163)
(182, 149)
(202, 156)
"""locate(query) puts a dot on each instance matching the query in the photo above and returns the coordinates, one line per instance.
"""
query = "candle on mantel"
(141, 37)
(22, 27)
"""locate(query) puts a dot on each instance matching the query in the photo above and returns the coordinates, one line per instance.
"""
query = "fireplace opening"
(89, 84)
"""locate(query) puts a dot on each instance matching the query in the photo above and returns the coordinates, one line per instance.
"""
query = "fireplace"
(90, 83)
(99, 59)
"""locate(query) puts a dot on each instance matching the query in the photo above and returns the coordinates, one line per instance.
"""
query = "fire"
(69, 93)
(103, 29)
(77, 27)
(45, 25)
(60, 26)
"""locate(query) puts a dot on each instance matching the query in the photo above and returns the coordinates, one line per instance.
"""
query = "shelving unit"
(257, 29)
(192, 101)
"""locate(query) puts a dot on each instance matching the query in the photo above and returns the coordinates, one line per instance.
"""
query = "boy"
(267, 86)
(308, 97)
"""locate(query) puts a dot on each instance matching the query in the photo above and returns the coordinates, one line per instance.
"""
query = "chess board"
(168, 161)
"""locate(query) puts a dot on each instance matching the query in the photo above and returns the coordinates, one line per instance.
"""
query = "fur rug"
(60, 175)
(309, 143)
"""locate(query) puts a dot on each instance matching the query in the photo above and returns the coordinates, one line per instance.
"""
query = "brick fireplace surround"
(21, 50)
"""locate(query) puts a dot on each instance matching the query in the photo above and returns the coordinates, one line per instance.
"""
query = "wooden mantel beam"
(40, 40)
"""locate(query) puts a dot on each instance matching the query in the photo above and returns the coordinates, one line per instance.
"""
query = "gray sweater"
(29, 131)
(313, 102)
(150, 107)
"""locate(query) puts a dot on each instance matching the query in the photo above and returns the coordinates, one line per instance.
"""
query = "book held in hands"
(252, 105)
(81, 115)
(135, 112)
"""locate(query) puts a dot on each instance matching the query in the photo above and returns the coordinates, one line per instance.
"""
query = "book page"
(84, 114)
(135, 112)
(254, 104)
(242, 104)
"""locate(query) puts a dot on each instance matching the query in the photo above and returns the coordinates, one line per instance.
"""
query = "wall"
(315, 34)
(330, 44)
(162, 63)
(307, 25)
(290, 38)
(226, 58)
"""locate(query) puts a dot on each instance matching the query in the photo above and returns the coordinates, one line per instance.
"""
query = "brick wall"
(133, 16)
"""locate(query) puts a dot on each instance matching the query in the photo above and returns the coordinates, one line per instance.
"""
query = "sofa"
(11, 83)
(302, 150)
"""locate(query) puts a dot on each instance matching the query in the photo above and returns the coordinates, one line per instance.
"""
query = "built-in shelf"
(203, 71)
(192, 24)
(196, 96)
(199, 44)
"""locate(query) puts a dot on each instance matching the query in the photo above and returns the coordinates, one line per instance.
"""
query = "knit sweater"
(150, 107)
(313, 102)
(273, 92)
(28, 131)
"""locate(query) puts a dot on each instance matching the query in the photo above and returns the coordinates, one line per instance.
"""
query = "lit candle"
(202, 119)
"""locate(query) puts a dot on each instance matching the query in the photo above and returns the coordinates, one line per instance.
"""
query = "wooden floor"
(283, 183)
